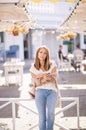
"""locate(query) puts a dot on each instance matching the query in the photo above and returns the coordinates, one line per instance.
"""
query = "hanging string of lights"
(76, 22)
(77, 2)
(23, 26)
(67, 33)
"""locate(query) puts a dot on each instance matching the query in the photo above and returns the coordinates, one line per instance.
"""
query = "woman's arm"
(50, 77)
(38, 76)
(54, 70)
(53, 75)
(39, 79)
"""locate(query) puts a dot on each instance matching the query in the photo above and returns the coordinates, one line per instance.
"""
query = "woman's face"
(42, 54)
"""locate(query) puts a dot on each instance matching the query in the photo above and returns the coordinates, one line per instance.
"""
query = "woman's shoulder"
(32, 67)
(53, 63)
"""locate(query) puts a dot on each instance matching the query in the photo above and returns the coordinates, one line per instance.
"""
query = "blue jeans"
(45, 101)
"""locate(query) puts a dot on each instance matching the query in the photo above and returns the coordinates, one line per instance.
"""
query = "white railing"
(74, 101)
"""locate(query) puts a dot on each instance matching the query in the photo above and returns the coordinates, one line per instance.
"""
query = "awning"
(76, 22)
(15, 16)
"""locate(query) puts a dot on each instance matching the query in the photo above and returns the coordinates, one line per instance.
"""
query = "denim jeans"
(45, 101)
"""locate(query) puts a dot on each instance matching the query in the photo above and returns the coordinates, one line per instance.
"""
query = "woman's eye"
(40, 51)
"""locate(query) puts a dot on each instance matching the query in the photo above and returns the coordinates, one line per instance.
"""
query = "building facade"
(28, 44)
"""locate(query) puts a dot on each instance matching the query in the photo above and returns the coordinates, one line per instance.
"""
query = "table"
(13, 72)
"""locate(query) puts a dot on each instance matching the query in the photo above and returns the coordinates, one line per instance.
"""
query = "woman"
(46, 96)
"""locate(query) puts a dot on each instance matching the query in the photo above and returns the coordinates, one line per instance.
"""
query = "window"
(1, 37)
(84, 39)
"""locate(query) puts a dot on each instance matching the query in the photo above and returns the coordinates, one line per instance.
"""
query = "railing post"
(13, 114)
(78, 122)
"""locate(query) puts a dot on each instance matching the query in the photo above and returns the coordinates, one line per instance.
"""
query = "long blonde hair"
(47, 59)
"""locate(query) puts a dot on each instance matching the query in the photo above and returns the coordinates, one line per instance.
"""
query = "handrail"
(14, 101)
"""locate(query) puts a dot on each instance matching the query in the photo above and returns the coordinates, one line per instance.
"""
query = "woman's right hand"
(38, 76)
(44, 78)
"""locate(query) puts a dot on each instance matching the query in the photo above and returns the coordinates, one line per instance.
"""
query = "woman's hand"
(51, 79)
(40, 79)
(47, 78)
(38, 76)
(44, 78)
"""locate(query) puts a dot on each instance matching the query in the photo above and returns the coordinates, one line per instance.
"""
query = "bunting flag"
(54, 0)
(38, 1)
(70, 0)
(25, 1)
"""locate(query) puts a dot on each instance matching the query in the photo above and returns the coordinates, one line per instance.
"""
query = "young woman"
(45, 72)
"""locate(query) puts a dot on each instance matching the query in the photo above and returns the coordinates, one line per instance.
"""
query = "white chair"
(64, 65)
(14, 72)
(78, 61)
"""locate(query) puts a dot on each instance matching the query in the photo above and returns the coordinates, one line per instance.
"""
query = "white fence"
(74, 101)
